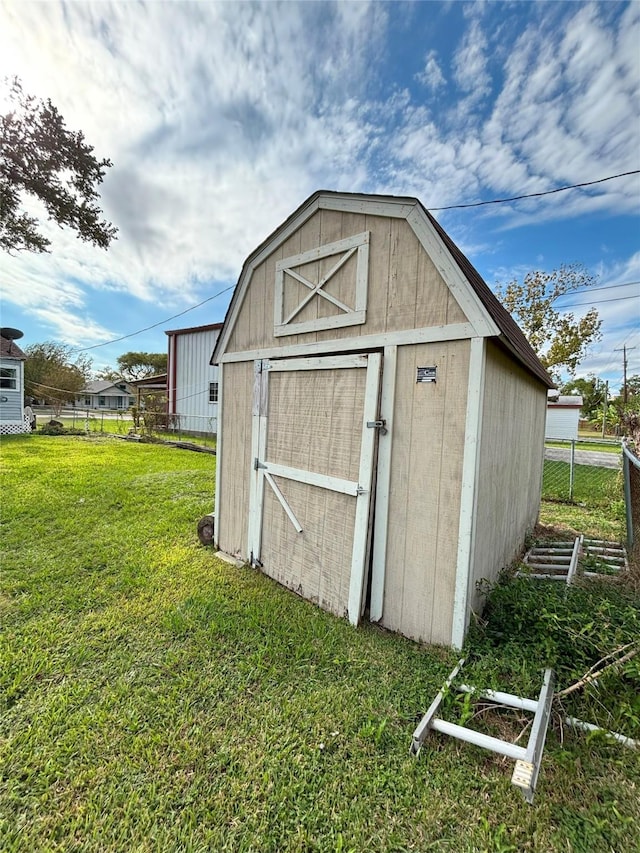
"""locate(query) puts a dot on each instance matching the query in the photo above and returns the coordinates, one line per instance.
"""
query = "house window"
(87, 401)
(213, 392)
(102, 401)
(8, 377)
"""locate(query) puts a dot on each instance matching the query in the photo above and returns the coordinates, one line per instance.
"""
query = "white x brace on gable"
(351, 315)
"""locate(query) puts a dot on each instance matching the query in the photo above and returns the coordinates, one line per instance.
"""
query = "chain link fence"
(195, 429)
(582, 472)
(631, 470)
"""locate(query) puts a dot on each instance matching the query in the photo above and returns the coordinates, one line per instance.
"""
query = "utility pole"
(605, 407)
(624, 370)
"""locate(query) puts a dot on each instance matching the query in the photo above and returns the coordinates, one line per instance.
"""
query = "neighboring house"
(192, 385)
(104, 394)
(563, 415)
(12, 420)
(381, 435)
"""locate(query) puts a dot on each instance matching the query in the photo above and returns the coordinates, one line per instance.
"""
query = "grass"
(592, 484)
(120, 423)
(157, 698)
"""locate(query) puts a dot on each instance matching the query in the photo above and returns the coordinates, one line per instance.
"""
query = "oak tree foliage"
(136, 365)
(53, 375)
(41, 158)
(560, 339)
(592, 390)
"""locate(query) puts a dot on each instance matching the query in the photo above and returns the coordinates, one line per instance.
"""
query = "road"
(597, 458)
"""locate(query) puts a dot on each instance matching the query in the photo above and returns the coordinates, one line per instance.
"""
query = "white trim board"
(218, 478)
(469, 489)
(359, 563)
(358, 245)
(453, 277)
(429, 334)
(381, 520)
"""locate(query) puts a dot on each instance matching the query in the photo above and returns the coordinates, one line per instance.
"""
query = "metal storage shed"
(382, 417)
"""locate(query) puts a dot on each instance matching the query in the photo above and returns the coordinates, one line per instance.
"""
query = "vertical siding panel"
(510, 472)
(423, 487)
(379, 251)
(431, 294)
(403, 277)
(236, 458)
(394, 586)
(450, 487)
(425, 491)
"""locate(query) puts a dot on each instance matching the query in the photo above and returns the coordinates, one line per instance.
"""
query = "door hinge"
(381, 425)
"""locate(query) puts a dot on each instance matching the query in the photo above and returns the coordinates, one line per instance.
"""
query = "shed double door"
(314, 446)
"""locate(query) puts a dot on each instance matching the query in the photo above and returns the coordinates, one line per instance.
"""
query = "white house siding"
(562, 422)
(12, 400)
(189, 378)
(510, 466)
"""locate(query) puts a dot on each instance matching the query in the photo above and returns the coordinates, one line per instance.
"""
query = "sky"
(220, 119)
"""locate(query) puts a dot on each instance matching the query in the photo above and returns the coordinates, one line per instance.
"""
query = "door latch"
(381, 425)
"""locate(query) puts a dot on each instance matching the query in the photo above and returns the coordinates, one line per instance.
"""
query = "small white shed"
(380, 445)
(563, 417)
(12, 358)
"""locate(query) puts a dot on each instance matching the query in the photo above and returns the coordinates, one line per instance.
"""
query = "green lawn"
(155, 698)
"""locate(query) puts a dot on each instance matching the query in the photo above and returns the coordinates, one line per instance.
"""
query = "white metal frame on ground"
(528, 759)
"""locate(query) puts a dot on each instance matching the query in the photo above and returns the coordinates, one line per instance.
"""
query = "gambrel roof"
(486, 313)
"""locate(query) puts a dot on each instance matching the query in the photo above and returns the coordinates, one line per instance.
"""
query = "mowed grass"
(155, 698)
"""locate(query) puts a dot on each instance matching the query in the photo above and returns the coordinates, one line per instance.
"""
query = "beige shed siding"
(232, 516)
(510, 469)
(424, 505)
(405, 289)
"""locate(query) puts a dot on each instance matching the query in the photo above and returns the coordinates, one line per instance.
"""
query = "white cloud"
(221, 118)
(431, 76)
(471, 63)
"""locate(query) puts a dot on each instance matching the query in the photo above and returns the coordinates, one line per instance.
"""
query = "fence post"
(571, 468)
(627, 495)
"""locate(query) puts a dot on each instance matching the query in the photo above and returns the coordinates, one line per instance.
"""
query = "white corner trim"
(359, 565)
(218, 481)
(469, 489)
(381, 521)
(464, 294)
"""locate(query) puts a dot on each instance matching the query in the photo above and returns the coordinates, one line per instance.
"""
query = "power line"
(536, 195)
(599, 301)
(447, 207)
(605, 287)
(154, 325)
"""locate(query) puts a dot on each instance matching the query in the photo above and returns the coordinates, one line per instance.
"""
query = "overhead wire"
(537, 195)
(446, 207)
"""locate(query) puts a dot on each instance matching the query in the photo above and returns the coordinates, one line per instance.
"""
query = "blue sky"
(221, 118)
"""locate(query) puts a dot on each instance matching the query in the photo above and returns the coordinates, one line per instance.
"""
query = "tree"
(39, 157)
(137, 365)
(560, 340)
(591, 389)
(51, 375)
(633, 387)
